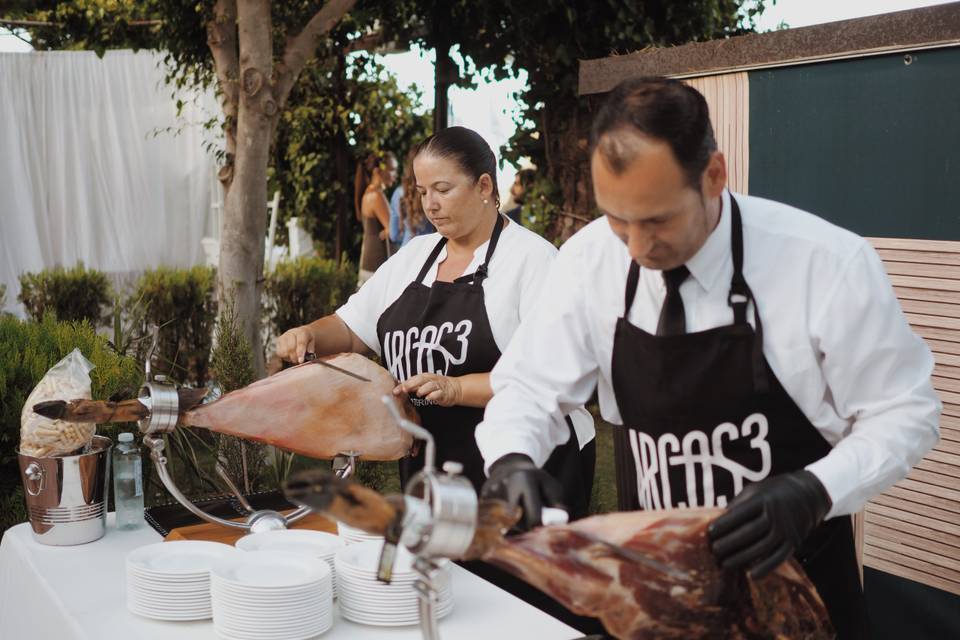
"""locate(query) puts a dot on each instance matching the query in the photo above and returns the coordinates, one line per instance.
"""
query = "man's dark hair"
(468, 149)
(659, 108)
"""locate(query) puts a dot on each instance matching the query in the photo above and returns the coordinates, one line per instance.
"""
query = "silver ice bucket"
(67, 495)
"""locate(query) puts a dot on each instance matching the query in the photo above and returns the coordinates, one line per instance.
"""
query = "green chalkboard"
(871, 144)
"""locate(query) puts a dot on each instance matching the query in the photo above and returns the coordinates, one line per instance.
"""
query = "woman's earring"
(485, 201)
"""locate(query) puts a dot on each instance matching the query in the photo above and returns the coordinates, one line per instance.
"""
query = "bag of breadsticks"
(42, 437)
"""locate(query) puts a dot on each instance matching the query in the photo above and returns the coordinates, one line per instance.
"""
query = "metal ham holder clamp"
(161, 399)
(439, 522)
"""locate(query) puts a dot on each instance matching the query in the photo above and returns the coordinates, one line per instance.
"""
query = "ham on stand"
(312, 409)
(643, 574)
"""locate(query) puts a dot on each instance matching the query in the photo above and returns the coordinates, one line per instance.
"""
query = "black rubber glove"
(768, 521)
(516, 480)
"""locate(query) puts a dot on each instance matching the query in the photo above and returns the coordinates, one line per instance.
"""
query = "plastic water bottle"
(128, 482)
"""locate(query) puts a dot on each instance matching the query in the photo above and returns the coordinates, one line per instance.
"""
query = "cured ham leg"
(652, 575)
(643, 574)
(309, 409)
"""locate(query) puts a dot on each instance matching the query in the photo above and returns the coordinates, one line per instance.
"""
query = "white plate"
(223, 586)
(293, 622)
(369, 604)
(351, 535)
(389, 620)
(185, 578)
(171, 611)
(251, 610)
(318, 544)
(169, 587)
(170, 615)
(372, 585)
(190, 557)
(272, 599)
(164, 602)
(173, 596)
(270, 570)
(381, 600)
(169, 608)
(380, 607)
(289, 618)
(264, 635)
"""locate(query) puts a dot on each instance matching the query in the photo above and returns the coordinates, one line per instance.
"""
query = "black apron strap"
(740, 297)
(431, 259)
(482, 271)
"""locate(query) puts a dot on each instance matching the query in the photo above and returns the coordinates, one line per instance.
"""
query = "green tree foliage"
(548, 39)
(231, 365)
(301, 291)
(97, 25)
(182, 303)
(231, 361)
(355, 103)
(70, 294)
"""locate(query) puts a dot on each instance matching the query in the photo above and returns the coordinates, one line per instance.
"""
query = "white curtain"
(96, 167)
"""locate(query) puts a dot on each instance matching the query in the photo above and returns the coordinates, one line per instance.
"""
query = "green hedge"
(183, 303)
(27, 350)
(305, 289)
(70, 294)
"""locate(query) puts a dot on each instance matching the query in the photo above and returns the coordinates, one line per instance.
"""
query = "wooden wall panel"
(728, 98)
(913, 529)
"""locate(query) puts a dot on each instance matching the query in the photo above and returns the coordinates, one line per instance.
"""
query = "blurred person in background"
(518, 191)
(376, 174)
(407, 219)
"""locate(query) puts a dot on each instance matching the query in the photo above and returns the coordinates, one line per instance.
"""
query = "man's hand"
(294, 344)
(768, 521)
(442, 390)
(516, 480)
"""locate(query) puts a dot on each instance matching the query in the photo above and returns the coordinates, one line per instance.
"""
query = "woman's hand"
(442, 390)
(293, 345)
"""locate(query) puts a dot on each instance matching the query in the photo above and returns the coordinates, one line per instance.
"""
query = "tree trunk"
(255, 94)
(566, 141)
(245, 207)
(443, 69)
(341, 158)
(342, 202)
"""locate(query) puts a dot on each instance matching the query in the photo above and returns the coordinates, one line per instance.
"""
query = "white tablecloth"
(65, 593)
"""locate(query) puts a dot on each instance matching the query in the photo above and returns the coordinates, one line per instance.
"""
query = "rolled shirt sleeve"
(878, 372)
(548, 370)
(362, 310)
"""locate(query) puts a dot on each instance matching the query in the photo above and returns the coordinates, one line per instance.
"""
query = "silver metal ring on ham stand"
(164, 405)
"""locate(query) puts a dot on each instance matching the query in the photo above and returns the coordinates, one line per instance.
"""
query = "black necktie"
(672, 321)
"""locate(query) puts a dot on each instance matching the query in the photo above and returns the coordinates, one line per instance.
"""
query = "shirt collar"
(707, 264)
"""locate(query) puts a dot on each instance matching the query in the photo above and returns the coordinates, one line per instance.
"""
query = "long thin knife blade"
(312, 357)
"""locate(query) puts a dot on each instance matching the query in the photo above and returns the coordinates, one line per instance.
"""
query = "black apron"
(444, 329)
(704, 415)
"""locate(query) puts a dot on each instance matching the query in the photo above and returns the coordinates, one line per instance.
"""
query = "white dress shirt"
(833, 333)
(517, 271)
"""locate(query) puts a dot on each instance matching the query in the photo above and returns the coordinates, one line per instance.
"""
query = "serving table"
(66, 593)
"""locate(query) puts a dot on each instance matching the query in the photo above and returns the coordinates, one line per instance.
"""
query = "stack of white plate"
(171, 580)
(366, 600)
(352, 535)
(316, 544)
(271, 595)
